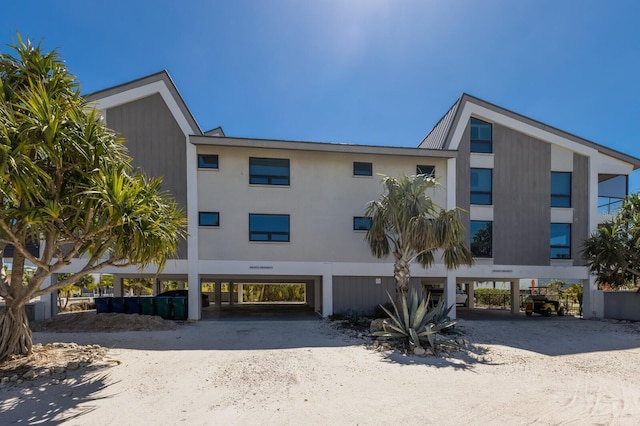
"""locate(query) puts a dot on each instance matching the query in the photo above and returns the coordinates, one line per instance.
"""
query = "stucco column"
(515, 296)
(218, 290)
(117, 285)
(471, 292)
(50, 300)
(327, 291)
(450, 293)
(589, 305)
(194, 297)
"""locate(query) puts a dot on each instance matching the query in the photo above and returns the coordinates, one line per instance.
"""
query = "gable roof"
(133, 90)
(442, 134)
(437, 137)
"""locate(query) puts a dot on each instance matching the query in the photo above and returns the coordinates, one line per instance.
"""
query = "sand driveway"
(536, 371)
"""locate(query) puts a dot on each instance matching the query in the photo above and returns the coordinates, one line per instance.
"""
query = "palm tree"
(406, 221)
(613, 250)
(67, 184)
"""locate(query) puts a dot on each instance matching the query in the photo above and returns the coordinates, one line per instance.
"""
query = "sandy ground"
(558, 370)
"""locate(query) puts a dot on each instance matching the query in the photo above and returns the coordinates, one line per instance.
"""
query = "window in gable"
(560, 189)
(481, 186)
(481, 136)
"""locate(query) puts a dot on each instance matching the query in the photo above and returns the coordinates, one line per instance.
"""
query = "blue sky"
(375, 72)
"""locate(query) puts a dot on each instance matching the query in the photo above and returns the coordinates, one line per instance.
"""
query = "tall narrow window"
(560, 241)
(429, 171)
(361, 223)
(362, 169)
(560, 189)
(481, 186)
(269, 227)
(269, 171)
(481, 238)
(481, 136)
(206, 161)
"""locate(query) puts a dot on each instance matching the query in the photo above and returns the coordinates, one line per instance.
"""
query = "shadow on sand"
(552, 336)
(41, 402)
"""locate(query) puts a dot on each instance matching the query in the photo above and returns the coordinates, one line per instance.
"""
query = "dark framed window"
(269, 227)
(361, 223)
(481, 238)
(32, 246)
(426, 170)
(269, 171)
(481, 136)
(362, 169)
(560, 189)
(560, 241)
(208, 219)
(481, 186)
(207, 161)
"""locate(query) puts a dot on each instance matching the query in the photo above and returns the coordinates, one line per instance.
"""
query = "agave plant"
(416, 323)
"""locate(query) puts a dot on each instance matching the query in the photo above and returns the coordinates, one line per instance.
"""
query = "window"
(560, 241)
(269, 171)
(426, 170)
(208, 219)
(361, 223)
(206, 161)
(362, 169)
(560, 189)
(481, 186)
(269, 227)
(612, 189)
(481, 136)
(481, 238)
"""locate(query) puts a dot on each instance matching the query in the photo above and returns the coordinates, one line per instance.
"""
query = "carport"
(261, 296)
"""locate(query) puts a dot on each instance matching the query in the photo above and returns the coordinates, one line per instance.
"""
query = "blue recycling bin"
(103, 305)
(117, 305)
(132, 305)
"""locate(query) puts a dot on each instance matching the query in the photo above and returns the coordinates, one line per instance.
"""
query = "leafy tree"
(613, 250)
(406, 222)
(139, 286)
(66, 182)
(67, 291)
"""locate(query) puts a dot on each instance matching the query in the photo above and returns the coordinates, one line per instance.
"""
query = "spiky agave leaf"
(413, 337)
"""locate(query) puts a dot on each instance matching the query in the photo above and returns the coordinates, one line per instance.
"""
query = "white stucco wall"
(322, 200)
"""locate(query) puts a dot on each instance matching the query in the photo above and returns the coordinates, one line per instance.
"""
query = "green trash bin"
(180, 308)
(147, 307)
(163, 306)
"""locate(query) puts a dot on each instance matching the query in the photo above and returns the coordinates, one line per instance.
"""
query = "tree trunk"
(15, 334)
(401, 273)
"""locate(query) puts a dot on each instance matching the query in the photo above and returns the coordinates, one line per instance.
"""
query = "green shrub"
(492, 296)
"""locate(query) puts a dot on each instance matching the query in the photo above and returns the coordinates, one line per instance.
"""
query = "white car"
(461, 298)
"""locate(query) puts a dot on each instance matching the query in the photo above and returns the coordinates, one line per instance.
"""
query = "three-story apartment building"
(276, 212)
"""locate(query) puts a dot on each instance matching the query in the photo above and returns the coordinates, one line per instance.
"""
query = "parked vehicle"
(184, 293)
(540, 304)
(461, 298)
